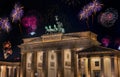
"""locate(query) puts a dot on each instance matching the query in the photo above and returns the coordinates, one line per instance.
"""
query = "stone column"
(18, 71)
(107, 66)
(102, 67)
(79, 67)
(23, 65)
(29, 64)
(3, 71)
(114, 65)
(45, 66)
(34, 64)
(9, 71)
(119, 67)
(67, 63)
(52, 63)
(84, 66)
(13, 71)
(40, 63)
(89, 66)
(0, 71)
(74, 64)
(62, 64)
(77, 64)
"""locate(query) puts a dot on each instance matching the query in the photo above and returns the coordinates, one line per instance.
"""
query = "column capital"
(9, 67)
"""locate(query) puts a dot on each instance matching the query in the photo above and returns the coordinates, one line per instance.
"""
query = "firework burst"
(5, 24)
(7, 47)
(89, 9)
(105, 41)
(30, 22)
(17, 13)
(108, 18)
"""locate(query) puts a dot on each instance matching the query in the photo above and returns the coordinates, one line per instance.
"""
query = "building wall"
(62, 63)
(50, 63)
(97, 66)
(9, 69)
(54, 55)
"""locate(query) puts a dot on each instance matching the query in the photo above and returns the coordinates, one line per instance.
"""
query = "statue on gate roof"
(56, 28)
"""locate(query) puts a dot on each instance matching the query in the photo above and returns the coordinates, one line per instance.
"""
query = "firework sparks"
(89, 9)
(108, 18)
(105, 41)
(30, 23)
(96, 6)
(17, 13)
(5, 24)
(7, 49)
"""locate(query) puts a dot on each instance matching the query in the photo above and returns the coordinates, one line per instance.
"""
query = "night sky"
(67, 10)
